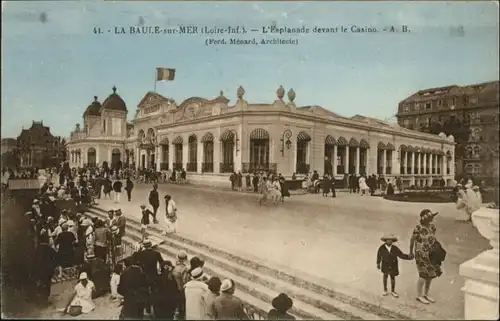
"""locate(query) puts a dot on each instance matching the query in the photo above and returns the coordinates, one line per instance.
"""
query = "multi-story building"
(211, 139)
(9, 145)
(37, 147)
(469, 113)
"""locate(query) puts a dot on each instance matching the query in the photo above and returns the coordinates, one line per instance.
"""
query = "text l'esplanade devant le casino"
(228, 30)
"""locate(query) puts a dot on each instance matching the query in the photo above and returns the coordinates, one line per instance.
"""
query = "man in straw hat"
(387, 262)
(181, 276)
(195, 291)
(227, 306)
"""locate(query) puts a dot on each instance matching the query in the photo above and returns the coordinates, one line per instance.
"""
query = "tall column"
(199, 157)
(425, 163)
(412, 163)
(384, 160)
(185, 154)
(157, 158)
(171, 155)
(346, 169)
(407, 164)
(417, 169)
(217, 155)
(481, 273)
(137, 157)
(367, 160)
(358, 165)
(334, 160)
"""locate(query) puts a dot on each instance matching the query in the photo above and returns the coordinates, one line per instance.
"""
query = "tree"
(10, 160)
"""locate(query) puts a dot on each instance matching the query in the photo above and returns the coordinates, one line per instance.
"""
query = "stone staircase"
(257, 284)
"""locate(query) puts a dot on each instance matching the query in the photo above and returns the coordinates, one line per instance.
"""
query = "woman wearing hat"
(387, 262)
(82, 297)
(281, 304)
(421, 243)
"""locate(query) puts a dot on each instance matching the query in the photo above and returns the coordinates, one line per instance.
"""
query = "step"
(340, 309)
(401, 309)
(254, 307)
(257, 291)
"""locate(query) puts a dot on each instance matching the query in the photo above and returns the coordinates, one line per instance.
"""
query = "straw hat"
(226, 285)
(389, 237)
(182, 255)
(197, 273)
(83, 276)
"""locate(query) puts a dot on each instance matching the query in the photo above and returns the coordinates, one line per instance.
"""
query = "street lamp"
(285, 140)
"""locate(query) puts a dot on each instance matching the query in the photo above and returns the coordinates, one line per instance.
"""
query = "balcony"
(207, 167)
(388, 170)
(226, 167)
(302, 168)
(340, 169)
(177, 166)
(164, 166)
(260, 167)
(192, 167)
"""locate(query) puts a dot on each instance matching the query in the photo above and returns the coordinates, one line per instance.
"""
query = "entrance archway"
(91, 157)
(115, 158)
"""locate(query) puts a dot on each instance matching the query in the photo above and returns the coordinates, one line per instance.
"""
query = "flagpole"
(155, 80)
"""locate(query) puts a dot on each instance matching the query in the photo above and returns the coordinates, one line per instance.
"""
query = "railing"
(177, 166)
(302, 168)
(340, 169)
(163, 166)
(260, 167)
(226, 167)
(192, 167)
(388, 170)
(207, 167)
(253, 312)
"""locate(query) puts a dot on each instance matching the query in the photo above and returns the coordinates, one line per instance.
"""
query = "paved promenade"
(334, 240)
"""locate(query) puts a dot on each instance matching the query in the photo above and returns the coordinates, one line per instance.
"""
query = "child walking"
(115, 281)
(146, 212)
(387, 262)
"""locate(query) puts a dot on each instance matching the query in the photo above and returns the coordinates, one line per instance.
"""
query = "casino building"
(211, 139)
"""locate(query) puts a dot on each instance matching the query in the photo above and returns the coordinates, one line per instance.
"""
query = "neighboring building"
(211, 139)
(37, 147)
(470, 113)
(9, 145)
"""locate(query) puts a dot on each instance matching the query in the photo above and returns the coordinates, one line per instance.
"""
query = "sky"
(53, 64)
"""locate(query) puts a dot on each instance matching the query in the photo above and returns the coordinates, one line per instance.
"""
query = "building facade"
(37, 147)
(470, 113)
(211, 139)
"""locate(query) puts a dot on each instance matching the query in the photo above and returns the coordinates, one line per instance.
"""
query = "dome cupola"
(114, 102)
(93, 109)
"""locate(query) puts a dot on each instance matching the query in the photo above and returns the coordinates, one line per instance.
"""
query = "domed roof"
(93, 109)
(114, 102)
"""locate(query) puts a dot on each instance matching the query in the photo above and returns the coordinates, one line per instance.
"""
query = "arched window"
(227, 143)
(208, 153)
(476, 151)
(303, 140)
(192, 165)
(91, 157)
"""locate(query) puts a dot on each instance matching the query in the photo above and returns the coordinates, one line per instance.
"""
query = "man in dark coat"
(154, 201)
(165, 293)
(133, 288)
(129, 186)
(117, 188)
(45, 263)
(149, 260)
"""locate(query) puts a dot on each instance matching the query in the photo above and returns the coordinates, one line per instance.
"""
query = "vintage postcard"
(263, 160)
